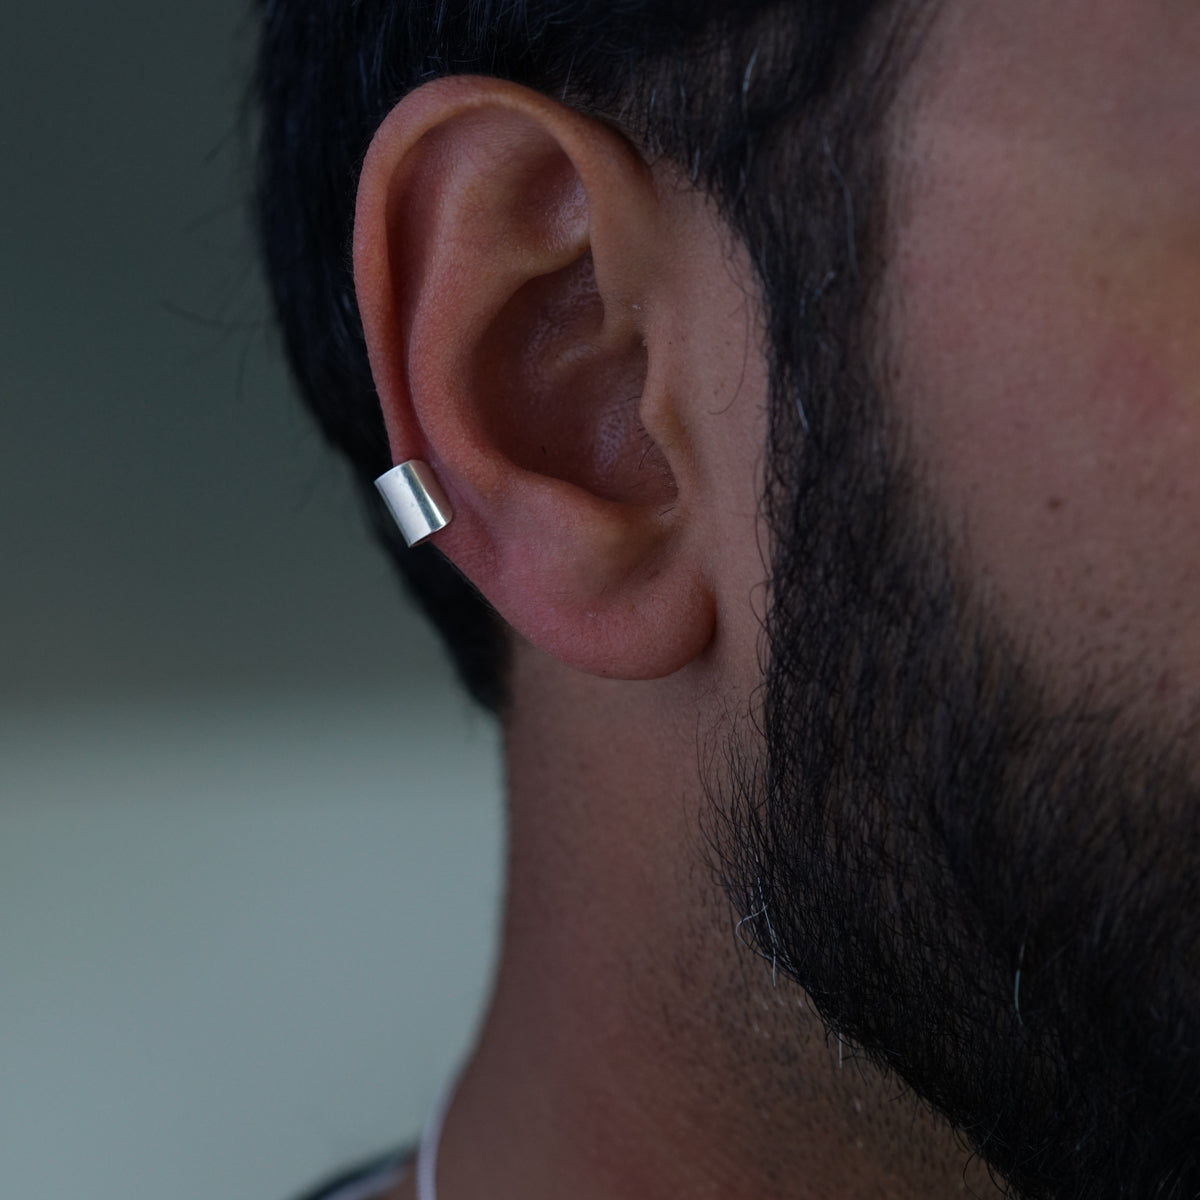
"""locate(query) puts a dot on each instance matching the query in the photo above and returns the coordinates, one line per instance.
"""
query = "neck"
(632, 1047)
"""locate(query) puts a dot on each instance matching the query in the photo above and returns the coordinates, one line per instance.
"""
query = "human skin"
(1042, 302)
(1045, 295)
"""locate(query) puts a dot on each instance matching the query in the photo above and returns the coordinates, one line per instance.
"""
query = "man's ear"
(512, 268)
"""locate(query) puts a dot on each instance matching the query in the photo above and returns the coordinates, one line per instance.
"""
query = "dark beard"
(994, 895)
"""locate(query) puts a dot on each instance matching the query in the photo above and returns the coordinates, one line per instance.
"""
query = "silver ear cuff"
(416, 500)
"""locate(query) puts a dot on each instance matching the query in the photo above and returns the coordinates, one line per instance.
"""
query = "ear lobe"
(506, 262)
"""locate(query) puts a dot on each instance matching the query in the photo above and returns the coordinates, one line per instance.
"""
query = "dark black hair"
(759, 104)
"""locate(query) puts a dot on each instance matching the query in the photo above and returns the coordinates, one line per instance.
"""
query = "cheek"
(1043, 367)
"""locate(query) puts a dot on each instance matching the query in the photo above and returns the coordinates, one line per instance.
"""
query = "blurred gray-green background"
(249, 830)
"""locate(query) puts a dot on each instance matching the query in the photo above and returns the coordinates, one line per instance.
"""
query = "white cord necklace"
(431, 1137)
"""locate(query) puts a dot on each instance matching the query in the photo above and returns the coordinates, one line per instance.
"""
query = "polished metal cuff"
(416, 500)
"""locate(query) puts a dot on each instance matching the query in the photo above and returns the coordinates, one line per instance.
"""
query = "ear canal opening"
(561, 381)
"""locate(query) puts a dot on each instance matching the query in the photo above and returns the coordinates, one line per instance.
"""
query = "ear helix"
(416, 500)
